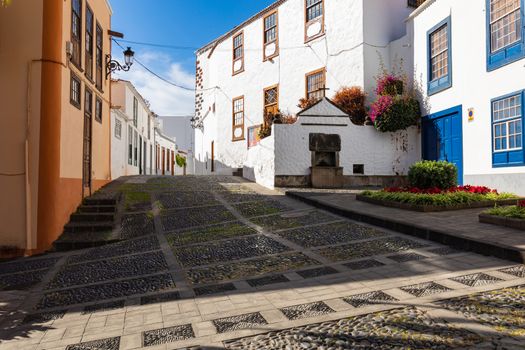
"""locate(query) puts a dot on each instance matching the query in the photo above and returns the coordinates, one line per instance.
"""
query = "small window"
(238, 119)
(314, 19)
(316, 85)
(99, 57)
(75, 91)
(505, 31)
(439, 73)
(253, 135)
(271, 36)
(359, 169)
(135, 111)
(118, 129)
(88, 102)
(149, 127)
(507, 130)
(89, 43)
(271, 102)
(76, 30)
(98, 109)
(130, 145)
(238, 53)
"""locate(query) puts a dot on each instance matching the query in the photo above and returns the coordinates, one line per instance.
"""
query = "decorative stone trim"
(517, 224)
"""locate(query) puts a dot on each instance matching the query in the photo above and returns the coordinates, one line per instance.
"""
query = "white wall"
(260, 163)
(170, 147)
(341, 50)
(472, 86)
(383, 154)
(119, 155)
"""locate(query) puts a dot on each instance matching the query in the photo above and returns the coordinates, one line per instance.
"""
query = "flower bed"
(513, 216)
(435, 199)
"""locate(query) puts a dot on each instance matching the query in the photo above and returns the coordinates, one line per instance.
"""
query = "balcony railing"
(415, 3)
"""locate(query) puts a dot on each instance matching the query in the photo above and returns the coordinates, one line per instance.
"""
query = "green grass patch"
(211, 233)
(442, 199)
(135, 198)
(508, 212)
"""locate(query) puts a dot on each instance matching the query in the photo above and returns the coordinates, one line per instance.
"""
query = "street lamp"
(113, 65)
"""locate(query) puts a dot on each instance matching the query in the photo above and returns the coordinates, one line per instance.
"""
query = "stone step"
(72, 241)
(92, 217)
(88, 226)
(97, 209)
(99, 201)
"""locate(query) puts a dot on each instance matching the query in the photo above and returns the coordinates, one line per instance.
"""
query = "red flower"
(521, 204)
(435, 190)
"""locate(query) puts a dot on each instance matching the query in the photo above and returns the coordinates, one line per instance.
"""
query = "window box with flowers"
(511, 216)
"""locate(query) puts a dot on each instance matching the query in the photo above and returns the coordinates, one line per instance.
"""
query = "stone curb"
(454, 241)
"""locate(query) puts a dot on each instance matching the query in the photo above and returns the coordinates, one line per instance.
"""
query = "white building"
(166, 151)
(470, 56)
(136, 136)
(291, 50)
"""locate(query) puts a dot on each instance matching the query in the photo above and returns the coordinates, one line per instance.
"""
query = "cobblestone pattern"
(184, 218)
(21, 281)
(477, 279)
(260, 208)
(335, 233)
(235, 323)
(407, 328)
(288, 221)
(306, 310)
(241, 197)
(317, 272)
(425, 289)
(105, 270)
(233, 249)
(186, 199)
(168, 335)
(503, 309)
(159, 298)
(267, 280)
(22, 265)
(112, 305)
(210, 233)
(139, 245)
(371, 298)
(137, 225)
(517, 271)
(255, 267)
(115, 289)
(103, 344)
(216, 289)
(405, 257)
(363, 264)
(369, 248)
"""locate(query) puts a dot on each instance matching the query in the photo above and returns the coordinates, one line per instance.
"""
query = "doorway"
(213, 156)
(87, 144)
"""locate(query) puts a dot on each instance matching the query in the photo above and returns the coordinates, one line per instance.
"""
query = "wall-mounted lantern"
(113, 65)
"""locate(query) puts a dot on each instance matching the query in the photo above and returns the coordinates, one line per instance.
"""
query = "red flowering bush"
(521, 204)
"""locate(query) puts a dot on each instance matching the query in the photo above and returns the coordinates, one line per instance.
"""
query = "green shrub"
(443, 199)
(433, 174)
(508, 212)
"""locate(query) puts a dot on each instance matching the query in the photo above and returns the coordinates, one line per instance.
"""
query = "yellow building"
(54, 116)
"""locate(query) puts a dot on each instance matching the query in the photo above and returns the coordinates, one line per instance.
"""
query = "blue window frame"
(505, 32)
(507, 130)
(439, 46)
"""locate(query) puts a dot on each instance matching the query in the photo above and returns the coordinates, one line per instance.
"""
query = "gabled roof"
(323, 108)
(252, 19)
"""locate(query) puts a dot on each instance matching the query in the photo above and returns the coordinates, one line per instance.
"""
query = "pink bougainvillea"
(380, 106)
(389, 85)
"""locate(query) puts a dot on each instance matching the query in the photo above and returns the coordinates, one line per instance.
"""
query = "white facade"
(356, 37)
(132, 149)
(166, 150)
(474, 84)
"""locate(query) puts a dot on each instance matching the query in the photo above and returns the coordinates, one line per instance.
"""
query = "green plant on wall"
(180, 160)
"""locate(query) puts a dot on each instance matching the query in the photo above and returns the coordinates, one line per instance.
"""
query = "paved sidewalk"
(216, 262)
(460, 229)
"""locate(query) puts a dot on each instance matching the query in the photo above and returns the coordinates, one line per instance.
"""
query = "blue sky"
(183, 23)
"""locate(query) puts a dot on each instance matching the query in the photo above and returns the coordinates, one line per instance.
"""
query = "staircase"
(92, 225)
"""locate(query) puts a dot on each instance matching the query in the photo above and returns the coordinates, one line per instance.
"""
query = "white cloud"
(165, 99)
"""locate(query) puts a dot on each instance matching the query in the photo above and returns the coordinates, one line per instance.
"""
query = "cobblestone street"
(216, 262)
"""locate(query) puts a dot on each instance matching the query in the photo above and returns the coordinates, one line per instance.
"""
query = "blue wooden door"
(443, 138)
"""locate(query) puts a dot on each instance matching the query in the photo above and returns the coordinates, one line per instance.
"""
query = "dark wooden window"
(238, 53)
(315, 84)
(76, 30)
(75, 91)
(271, 101)
(135, 148)
(89, 43)
(271, 36)
(99, 57)
(135, 111)
(238, 119)
(98, 109)
(130, 145)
